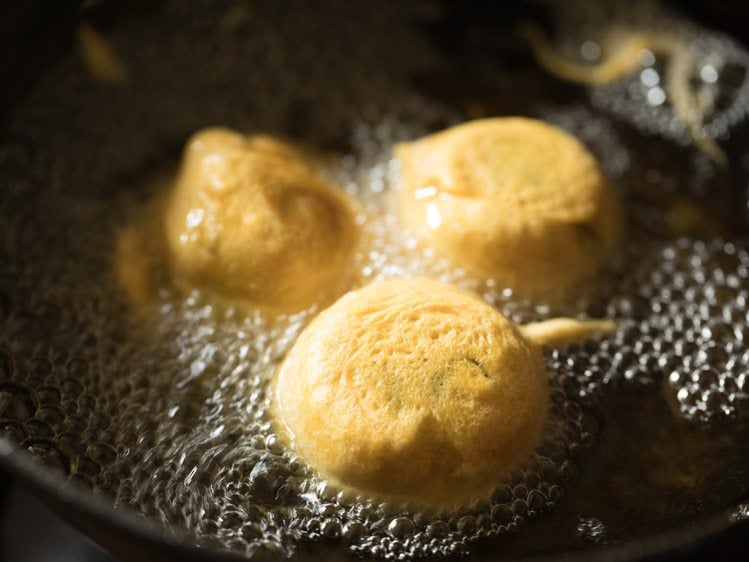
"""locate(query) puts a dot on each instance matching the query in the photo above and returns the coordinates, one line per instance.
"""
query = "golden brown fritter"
(250, 221)
(413, 389)
(510, 199)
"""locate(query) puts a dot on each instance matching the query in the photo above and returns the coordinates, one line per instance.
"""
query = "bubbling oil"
(688, 86)
(168, 416)
(230, 462)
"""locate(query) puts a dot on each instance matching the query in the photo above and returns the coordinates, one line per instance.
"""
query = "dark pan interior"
(662, 485)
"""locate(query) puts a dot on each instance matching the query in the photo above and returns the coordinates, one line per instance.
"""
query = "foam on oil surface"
(171, 418)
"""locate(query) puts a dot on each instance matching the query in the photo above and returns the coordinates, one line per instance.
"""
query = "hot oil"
(217, 456)
(169, 415)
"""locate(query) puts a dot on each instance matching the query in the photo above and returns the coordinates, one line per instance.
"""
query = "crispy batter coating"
(249, 220)
(415, 390)
(510, 199)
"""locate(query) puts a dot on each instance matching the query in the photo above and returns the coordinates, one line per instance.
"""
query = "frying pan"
(168, 95)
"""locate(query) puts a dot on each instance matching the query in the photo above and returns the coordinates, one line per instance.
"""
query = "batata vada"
(510, 199)
(413, 389)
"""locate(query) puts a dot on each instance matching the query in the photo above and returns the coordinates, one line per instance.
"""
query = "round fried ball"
(249, 219)
(510, 199)
(414, 390)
